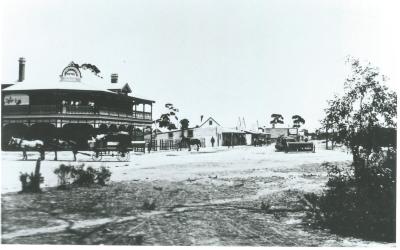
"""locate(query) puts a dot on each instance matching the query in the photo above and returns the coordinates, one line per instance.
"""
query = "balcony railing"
(71, 110)
(42, 109)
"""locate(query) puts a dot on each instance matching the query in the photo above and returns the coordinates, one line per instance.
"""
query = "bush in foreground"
(362, 206)
(31, 182)
(81, 175)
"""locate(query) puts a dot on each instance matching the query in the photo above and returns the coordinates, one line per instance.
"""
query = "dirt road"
(210, 198)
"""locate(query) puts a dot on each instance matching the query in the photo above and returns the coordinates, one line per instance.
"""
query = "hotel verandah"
(71, 107)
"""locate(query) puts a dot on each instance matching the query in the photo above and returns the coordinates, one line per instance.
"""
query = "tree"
(297, 121)
(276, 118)
(93, 68)
(165, 119)
(172, 126)
(361, 200)
(366, 106)
(184, 125)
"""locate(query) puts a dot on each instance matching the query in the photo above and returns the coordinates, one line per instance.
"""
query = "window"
(170, 135)
(210, 122)
(190, 133)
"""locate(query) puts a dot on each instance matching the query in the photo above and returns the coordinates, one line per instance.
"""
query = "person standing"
(212, 141)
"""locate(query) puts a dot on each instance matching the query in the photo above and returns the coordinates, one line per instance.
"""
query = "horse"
(189, 142)
(57, 144)
(25, 145)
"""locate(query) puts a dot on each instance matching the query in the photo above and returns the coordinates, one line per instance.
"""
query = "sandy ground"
(211, 197)
(174, 165)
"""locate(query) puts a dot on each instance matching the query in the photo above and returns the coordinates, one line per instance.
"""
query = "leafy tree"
(298, 121)
(172, 126)
(165, 119)
(276, 118)
(366, 106)
(360, 200)
(93, 68)
(184, 125)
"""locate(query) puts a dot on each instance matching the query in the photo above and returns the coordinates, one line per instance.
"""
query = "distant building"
(71, 107)
(208, 129)
(255, 137)
(276, 132)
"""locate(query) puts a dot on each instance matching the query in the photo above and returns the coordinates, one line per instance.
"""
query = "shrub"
(363, 205)
(64, 174)
(30, 182)
(81, 176)
(103, 176)
(84, 177)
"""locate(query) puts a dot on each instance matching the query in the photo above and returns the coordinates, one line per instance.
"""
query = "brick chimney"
(21, 69)
(114, 78)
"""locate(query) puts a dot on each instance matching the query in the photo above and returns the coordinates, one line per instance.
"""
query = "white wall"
(203, 132)
(177, 135)
(248, 139)
(207, 133)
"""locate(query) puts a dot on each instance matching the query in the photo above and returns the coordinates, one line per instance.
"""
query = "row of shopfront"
(213, 133)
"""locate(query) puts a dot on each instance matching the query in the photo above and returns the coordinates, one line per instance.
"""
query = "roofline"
(209, 119)
(71, 90)
(141, 99)
(54, 89)
(80, 90)
(125, 85)
(175, 130)
(180, 130)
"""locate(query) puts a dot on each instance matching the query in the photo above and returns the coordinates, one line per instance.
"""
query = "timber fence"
(169, 144)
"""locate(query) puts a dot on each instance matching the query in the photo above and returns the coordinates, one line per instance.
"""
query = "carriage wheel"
(96, 156)
(123, 156)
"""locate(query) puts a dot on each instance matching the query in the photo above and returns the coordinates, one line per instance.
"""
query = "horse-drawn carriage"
(42, 146)
(115, 144)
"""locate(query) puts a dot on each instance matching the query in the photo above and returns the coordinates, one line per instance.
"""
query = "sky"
(223, 58)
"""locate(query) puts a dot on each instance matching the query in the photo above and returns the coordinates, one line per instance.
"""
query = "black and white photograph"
(201, 123)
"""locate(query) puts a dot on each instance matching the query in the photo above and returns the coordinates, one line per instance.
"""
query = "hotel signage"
(16, 99)
(71, 73)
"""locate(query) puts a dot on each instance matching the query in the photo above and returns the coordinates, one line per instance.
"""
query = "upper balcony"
(59, 110)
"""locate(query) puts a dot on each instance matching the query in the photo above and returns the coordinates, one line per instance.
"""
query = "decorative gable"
(71, 73)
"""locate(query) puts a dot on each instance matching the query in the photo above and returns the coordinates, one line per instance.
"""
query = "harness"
(20, 143)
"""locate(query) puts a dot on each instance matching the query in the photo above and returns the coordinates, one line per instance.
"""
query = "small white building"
(209, 129)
